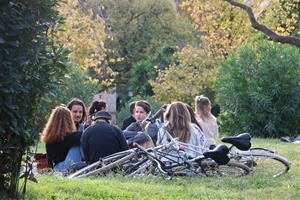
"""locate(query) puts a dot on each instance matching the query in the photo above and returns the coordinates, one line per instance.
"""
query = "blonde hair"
(59, 125)
(201, 104)
(178, 121)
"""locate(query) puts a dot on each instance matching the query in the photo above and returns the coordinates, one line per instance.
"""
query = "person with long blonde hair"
(207, 120)
(61, 139)
(178, 123)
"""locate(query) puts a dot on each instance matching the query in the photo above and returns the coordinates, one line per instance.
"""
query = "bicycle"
(210, 163)
(260, 160)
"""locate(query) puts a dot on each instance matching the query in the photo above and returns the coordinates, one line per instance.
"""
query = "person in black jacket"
(129, 120)
(62, 140)
(102, 139)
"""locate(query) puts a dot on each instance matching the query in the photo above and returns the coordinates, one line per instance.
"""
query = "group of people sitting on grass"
(73, 137)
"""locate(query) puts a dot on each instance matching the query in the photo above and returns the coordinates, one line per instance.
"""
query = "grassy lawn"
(248, 187)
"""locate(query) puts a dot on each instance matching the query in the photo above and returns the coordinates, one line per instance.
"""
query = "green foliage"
(191, 73)
(259, 90)
(30, 62)
(138, 29)
(148, 69)
(124, 111)
(76, 84)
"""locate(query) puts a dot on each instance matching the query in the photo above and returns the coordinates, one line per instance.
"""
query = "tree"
(219, 27)
(31, 62)
(191, 73)
(222, 27)
(84, 33)
(138, 29)
(147, 69)
(259, 90)
(268, 32)
(76, 84)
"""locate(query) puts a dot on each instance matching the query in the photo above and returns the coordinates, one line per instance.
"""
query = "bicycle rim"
(231, 169)
(264, 162)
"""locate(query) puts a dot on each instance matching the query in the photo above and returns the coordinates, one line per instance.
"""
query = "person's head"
(97, 106)
(77, 108)
(141, 110)
(203, 107)
(131, 108)
(193, 116)
(178, 121)
(60, 123)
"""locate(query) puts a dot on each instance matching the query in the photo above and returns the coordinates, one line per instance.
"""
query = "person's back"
(129, 120)
(100, 140)
(207, 121)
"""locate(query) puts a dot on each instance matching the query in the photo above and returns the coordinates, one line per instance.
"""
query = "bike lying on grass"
(260, 160)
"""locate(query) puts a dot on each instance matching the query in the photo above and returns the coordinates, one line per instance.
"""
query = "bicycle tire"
(264, 162)
(101, 163)
(231, 169)
(108, 167)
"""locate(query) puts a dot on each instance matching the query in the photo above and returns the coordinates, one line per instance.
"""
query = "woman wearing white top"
(178, 123)
(207, 121)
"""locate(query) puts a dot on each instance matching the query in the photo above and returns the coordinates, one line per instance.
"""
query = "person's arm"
(72, 139)
(141, 137)
(131, 131)
(84, 145)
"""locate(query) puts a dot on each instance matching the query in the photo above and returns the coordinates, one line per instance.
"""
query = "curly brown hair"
(59, 125)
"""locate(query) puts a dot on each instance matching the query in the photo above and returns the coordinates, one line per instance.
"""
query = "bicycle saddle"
(218, 154)
(242, 141)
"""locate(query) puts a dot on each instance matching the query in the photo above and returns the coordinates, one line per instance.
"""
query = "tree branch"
(262, 28)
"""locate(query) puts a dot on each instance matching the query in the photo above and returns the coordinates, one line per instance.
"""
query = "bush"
(31, 62)
(259, 90)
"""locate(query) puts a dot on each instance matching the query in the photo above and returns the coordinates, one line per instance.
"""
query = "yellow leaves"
(84, 33)
(192, 74)
(116, 60)
(280, 29)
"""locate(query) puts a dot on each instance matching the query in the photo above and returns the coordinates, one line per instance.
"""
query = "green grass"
(248, 187)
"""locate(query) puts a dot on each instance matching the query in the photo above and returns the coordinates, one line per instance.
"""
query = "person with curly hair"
(62, 140)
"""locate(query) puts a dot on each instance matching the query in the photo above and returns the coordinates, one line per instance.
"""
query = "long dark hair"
(96, 106)
(76, 101)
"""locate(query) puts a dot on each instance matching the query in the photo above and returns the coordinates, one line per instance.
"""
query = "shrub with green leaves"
(31, 63)
(259, 90)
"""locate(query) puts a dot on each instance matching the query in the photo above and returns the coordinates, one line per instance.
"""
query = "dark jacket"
(132, 136)
(127, 122)
(101, 139)
(57, 152)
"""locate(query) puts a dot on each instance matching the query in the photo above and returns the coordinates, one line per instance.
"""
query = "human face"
(208, 108)
(77, 113)
(139, 113)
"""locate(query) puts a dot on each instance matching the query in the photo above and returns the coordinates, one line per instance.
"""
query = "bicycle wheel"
(231, 169)
(264, 162)
(102, 163)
